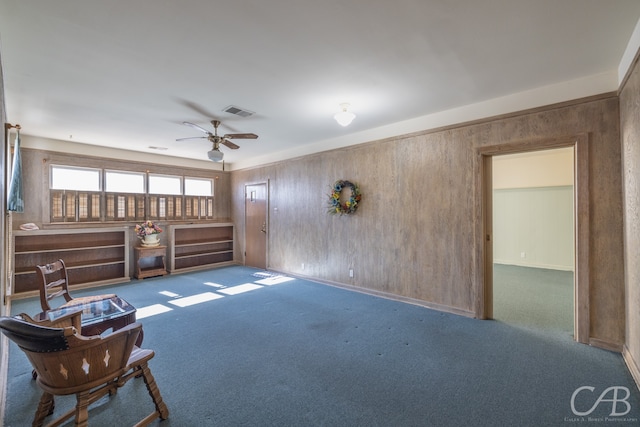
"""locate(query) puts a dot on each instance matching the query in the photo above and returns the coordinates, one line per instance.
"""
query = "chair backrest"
(67, 362)
(53, 282)
(34, 338)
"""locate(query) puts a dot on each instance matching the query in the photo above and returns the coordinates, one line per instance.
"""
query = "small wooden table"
(98, 315)
(150, 261)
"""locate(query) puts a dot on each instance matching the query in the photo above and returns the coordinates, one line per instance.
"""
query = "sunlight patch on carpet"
(274, 280)
(151, 310)
(215, 285)
(234, 290)
(264, 274)
(195, 299)
(169, 294)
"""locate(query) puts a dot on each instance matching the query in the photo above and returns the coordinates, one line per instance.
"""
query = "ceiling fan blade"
(201, 129)
(229, 144)
(192, 137)
(241, 135)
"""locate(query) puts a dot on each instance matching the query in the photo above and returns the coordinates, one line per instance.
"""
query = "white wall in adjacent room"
(533, 209)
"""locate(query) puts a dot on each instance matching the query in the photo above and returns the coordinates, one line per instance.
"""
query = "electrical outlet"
(303, 265)
(523, 254)
(351, 272)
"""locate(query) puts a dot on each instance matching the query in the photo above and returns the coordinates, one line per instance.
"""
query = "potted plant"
(148, 232)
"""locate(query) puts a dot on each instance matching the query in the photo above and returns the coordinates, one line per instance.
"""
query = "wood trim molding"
(484, 232)
(606, 345)
(582, 321)
(433, 306)
(484, 236)
(632, 364)
(627, 74)
(4, 366)
(4, 373)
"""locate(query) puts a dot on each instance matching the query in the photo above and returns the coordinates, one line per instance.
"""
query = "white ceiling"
(126, 74)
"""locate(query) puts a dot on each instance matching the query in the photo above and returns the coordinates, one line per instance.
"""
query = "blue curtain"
(15, 200)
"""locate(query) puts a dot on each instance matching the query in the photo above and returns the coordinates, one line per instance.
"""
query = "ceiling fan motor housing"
(215, 154)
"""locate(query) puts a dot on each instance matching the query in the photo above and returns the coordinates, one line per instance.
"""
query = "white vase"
(151, 240)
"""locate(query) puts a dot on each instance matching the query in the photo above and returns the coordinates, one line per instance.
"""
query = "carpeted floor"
(533, 298)
(299, 353)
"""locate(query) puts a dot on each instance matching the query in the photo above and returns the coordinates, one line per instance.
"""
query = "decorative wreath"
(348, 207)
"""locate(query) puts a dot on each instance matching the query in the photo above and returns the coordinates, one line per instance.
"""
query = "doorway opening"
(533, 241)
(485, 232)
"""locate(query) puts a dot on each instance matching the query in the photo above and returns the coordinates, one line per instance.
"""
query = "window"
(123, 182)
(165, 184)
(198, 187)
(81, 194)
(198, 198)
(71, 178)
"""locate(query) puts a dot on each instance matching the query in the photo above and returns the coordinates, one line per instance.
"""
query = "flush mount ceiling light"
(344, 117)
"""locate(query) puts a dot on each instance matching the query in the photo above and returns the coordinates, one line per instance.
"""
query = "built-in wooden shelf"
(93, 256)
(198, 246)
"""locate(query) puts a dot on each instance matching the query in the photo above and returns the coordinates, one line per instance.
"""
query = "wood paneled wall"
(630, 136)
(413, 235)
(35, 166)
(36, 180)
(3, 220)
(4, 249)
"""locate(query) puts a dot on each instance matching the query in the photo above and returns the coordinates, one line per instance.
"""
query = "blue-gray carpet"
(539, 300)
(299, 353)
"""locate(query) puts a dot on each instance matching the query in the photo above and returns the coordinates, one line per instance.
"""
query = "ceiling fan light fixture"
(344, 117)
(215, 155)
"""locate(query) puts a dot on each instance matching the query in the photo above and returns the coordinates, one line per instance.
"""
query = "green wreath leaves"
(349, 206)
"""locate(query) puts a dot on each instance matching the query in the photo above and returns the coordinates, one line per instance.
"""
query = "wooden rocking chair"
(89, 367)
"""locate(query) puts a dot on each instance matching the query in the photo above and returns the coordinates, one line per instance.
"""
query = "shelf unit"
(93, 256)
(198, 246)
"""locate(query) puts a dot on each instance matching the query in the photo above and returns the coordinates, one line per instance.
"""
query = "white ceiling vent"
(238, 111)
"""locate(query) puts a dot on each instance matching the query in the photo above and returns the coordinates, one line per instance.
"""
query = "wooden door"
(255, 207)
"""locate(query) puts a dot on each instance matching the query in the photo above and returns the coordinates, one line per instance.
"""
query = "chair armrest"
(77, 339)
(73, 318)
(139, 355)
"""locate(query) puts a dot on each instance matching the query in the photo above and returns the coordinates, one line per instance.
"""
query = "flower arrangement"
(348, 207)
(147, 228)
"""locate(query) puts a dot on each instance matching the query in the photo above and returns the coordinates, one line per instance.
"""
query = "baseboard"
(4, 372)
(632, 364)
(394, 297)
(4, 367)
(530, 265)
(606, 345)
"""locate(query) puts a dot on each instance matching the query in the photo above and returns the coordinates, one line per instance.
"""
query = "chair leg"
(82, 409)
(45, 408)
(154, 392)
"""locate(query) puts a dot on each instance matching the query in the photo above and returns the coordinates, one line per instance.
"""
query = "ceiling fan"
(215, 154)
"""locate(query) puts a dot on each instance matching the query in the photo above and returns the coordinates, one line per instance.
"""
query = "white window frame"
(142, 176)
(179, 178)
(98, 171)
(193, 179)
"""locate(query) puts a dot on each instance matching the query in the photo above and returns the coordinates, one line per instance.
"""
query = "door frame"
(484, 223)
(266, 247)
